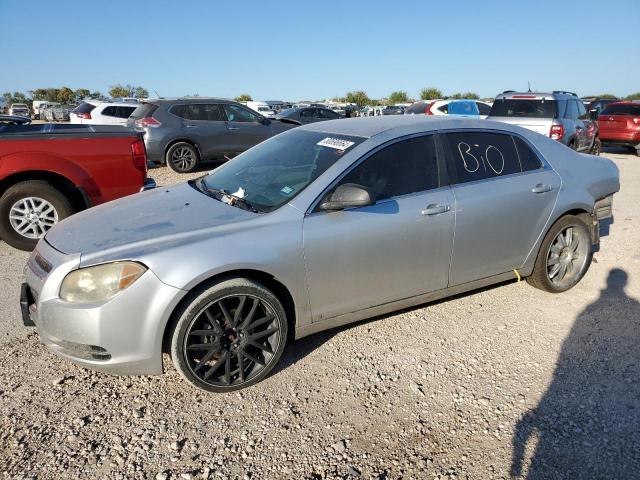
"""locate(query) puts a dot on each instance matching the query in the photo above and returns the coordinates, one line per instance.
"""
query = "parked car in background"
(441, 107)
(558, 115)
(38, 105)
(619, 124)
(49, 171)
(183, 131)
(393, 110)
(103, 113)
(306, 115)
(21, 109)
(262, 108)
(318, 227)
(56, 113)
(14, 120)
(596, 106)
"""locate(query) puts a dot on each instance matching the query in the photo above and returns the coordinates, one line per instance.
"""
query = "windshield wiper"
(229, 198)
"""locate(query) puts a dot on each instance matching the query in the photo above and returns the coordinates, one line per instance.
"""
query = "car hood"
(144, 220)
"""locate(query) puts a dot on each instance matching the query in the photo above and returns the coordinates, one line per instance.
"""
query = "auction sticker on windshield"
(337, 143)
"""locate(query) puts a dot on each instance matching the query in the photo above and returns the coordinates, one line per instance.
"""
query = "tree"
(399, 96)
(244, 97)
(430, 93)
(471, 96)
(358, 97)
(120, 90)
(16, 97)
(95, 95)
(633, 96)
(140, 92)
(606, 96)
(82, 93)
(66, 95)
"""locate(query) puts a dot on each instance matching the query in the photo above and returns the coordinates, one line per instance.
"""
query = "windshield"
(512, 107)
(270, 174)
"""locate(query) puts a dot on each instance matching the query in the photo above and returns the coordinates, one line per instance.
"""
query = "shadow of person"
(588, 422)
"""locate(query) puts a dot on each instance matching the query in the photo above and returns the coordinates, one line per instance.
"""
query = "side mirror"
(593, 114)
(265, 121)
(348, 195)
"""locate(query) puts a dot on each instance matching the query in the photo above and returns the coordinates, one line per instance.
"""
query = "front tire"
(182, 157)
(28, 210)
(596, 148)
(229, 336)
(564, 256)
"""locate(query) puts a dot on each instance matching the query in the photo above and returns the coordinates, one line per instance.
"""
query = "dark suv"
(183, 131)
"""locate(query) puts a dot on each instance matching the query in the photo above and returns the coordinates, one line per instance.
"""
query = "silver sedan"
(319, 226)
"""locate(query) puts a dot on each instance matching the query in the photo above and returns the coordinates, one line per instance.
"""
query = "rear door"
(309, 115)
(245, 127)
(504, 196)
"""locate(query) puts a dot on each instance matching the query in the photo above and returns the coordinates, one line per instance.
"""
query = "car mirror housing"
(265, 121)
(593, 114)
(348, 195)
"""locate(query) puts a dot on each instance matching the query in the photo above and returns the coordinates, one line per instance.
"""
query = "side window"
(326, 113)
(204, 112)
(405, 167)
(179, 110)
(582, 111)
(483, 108)
(124, 112)
(236, 113)
(109, 111)
(480, 155)
(528, 159)
(572, 110)
(307, 113)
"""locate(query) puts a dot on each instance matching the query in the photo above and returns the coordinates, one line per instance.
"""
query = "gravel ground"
(508, 380)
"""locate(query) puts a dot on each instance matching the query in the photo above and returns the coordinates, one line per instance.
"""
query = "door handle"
(233, 128)
(190, 126)
(435, 209)
(540, 188)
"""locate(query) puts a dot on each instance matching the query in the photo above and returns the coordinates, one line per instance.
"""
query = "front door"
(504, 197)
(244, 127)
(398, 248)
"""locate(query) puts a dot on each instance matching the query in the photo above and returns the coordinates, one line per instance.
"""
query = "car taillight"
(147, 122)
(556, 132)
(139, 155)
(86, 116)
(636, 120)
(428, 111)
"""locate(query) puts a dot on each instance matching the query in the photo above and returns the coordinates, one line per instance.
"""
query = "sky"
(299, 49)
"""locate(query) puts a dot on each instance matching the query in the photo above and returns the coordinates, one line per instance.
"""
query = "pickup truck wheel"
(182, 157)
(229, 336)
(28, 210)
(564, 256)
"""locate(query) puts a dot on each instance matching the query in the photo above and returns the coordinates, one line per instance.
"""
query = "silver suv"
(558, 115)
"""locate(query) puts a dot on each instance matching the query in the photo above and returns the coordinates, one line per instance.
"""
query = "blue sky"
(317, 49)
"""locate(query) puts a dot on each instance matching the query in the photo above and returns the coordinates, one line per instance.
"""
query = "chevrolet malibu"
(320, 226)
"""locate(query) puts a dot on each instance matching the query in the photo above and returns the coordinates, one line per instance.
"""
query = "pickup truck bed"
(48, 172)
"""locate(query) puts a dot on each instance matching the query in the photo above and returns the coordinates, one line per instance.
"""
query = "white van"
(262, 108)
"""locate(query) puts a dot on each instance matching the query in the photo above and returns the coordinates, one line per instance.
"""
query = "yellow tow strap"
(515, 270)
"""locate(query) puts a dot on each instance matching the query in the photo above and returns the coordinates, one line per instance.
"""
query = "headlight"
(99, 283)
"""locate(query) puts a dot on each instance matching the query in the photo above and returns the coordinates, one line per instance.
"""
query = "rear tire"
(28, 210)
(564, 256)
(182, 157)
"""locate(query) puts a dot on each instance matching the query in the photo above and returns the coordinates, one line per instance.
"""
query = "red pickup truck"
(48, 172)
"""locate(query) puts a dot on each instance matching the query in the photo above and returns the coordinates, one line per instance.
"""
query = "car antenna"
(529, 85)
(157, 94)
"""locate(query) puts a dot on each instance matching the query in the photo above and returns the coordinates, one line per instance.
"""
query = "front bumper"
(122, 335)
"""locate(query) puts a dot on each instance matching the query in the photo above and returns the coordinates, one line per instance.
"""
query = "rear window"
(519, 107)
(84, 108)
(633, 110)
(144, 110)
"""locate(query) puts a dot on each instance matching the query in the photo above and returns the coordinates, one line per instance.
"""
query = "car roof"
(538, 95)
(188, 100)
(625, 102)
(368, 127)
(117, 104)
